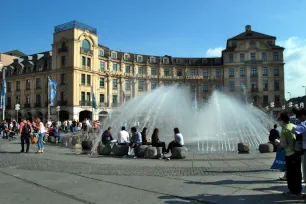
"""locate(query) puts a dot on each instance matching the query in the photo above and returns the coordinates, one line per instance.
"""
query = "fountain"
(218, 126)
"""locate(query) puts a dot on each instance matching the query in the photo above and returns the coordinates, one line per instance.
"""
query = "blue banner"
(280, 161)
(93, 98)
(3, 90)
(52, 85)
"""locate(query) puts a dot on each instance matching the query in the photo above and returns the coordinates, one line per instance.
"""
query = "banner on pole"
(52, 85)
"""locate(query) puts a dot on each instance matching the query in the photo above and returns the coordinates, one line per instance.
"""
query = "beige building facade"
(250, 65)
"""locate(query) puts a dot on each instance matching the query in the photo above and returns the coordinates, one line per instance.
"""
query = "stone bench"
(243, 147)
(179, 152)
(266, 148)
(52, 139)
(87, 145)
(69, 141)
(140, 150)
(104, 149)
(120, 150)
(153, 152)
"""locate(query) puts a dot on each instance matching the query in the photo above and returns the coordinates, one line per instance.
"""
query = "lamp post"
(272, 106)
(58, 109)
(17, 108)
(289, 95)
(2, 96)
(302, 105)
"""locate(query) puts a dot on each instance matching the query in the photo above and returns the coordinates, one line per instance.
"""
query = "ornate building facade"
(251, 63)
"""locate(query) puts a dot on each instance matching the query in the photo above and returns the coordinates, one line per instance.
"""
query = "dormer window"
(139, 58)
(126, 57)
(101, 53)
(165, 61)
(114, 55)
(152, 60)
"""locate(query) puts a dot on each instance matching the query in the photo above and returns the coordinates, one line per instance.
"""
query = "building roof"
(16, 53)
(249, 34)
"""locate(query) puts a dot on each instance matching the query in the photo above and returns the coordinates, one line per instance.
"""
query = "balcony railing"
(103, 105)
(253, 61)
(37, 105)
(62, 103)
(231, 76)
(85, 103)
(63, 49)
(265, 89)
(254, 75)
(85, 51)
(27, 105)
(276, 89)
(254, 89)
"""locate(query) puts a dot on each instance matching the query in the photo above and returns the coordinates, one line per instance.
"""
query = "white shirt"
(88, 123)
(42, 128)
(49, 123)
(123, 136)
(179, 138)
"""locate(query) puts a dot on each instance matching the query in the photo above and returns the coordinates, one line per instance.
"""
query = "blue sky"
(159, 27)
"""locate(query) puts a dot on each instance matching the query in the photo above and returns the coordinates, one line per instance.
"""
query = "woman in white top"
(41, 131)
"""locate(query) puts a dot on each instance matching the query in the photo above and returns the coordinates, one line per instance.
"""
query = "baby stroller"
(11, 135)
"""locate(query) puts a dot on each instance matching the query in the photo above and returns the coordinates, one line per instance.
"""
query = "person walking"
(25, 132)
(41, 131)
(293, 160)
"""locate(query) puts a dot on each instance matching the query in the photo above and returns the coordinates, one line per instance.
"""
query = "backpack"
(26, 129)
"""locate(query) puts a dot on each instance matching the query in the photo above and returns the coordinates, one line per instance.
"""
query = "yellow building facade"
(251, 63)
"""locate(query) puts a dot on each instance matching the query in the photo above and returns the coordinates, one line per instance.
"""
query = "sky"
(180, 28)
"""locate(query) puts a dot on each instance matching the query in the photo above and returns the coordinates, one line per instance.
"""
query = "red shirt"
(21, 127)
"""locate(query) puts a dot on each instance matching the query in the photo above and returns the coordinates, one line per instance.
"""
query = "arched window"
(85, 45)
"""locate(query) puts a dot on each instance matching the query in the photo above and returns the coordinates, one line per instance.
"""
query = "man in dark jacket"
(25, 132)
(274, 134)
(107, 136)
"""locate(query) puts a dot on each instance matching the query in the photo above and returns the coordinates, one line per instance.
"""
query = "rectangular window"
(242, 58)
(127, 69)
(205, 87)
(115, 83)
(218, 73)
(83, 98)
(88, 62)
(127, 84)
(88, 94)
(275, 56)
(38, 83)
(101, 99)
(102, 66)
(83, 79)
(115, 68)
(276, 72)
(276, 85)
(114, 55)
(265, 99)
(28, 100)
(192, 72)
(231, 72)
(264, 56)
(126, 57)
(179, 72)
(141, 84)
(232, 85)
(253, 72)
(264, 71)
(139, 59)
(63, 81)
(277, 100)
(9, 102)
(253, 56)
(28, 84)
(62, 96)
(63, 60)
(37, 99)
(101, 82)
(140, 70)
(253, 84)
(115, 100)
(153, 71)
(17, 99)
(205, 73)
(9, 86)
(265, 85)
(152, 60)
(230, 58)
(153, 85)
(83, 61)
(101, 53)
(166, 72)
(88, 80)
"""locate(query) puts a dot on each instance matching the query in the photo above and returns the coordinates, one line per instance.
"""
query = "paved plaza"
(61, 175)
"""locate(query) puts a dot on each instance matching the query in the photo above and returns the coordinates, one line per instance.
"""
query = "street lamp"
(289, 95)
(272, 106)
(301, 105)
(290, 104)
(283, 107)
(58, 109)
(17, 108)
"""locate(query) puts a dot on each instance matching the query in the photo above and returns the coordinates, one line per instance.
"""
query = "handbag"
(280, 160)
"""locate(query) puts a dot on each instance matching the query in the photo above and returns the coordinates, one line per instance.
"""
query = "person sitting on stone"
(107, 136)
(178, 140)
(144, 136)
(136, 139)
(56, 132)
(156, 142)
(123, 137)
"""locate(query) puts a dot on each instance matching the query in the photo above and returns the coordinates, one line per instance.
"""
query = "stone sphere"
(51, 139)
(65, 141)
(243, 147)
(104, 149)
(179, 152)
(152, 152)
(87, 145)
(120, 150)
(140, 150)
(266, 148)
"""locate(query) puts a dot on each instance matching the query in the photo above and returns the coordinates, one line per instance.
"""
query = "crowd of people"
(136, 139)
(292, 140)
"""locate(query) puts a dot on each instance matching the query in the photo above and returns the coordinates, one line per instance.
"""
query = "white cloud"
(295, 66)
(214, 52)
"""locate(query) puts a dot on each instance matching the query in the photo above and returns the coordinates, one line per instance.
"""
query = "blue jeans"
(40, 142)
(59, 137)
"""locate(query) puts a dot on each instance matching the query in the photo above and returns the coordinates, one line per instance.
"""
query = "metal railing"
(27, 105)
(85, 51)
(62, 103)
(85, 103)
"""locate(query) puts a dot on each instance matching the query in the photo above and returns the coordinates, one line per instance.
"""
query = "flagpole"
(48, 100)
